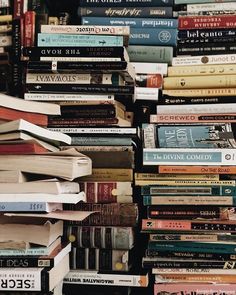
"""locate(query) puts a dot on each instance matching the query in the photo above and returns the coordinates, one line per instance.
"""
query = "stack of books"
(190, 141)
(5, 44)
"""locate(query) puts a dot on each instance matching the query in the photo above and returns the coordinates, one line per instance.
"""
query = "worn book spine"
(134, 3)
(119, 238)
(134, 12)
(29, 28)
(58, 40)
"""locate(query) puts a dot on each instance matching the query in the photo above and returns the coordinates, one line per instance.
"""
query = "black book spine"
(99, 111)
(121, 3)
(35, 53)
(105, 259)
(213, 40)
(75, 88)
(218, 227)
(189, 264)
(168, 100)
(190, 255)
(205, 49)
(166, 12)
(40, 66)
(205, 34)
(25, 261)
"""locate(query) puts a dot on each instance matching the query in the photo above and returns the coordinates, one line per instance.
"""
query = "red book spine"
(207, 22)
(21, 149)
(18, 9)
(29, 32)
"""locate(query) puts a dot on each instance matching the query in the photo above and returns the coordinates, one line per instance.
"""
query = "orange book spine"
(197, 169)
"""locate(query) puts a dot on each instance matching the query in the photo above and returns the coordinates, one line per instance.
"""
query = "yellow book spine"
(200, 92)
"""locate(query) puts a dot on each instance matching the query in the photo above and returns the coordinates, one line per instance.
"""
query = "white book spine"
(81, 30)
(144, 93)
(204, 59)
(20, 279)
(88, 59)
(195, 8)
(191, 200)
(150, 68)
(66, 97)
(201, 271)
(93, 278)
(68, 78)
(197, 109)
(96, 131)
(4, 3)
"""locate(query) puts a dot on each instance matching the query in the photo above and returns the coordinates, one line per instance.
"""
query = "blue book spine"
(211, 190)
(132, 22)
(60, 40)
(130, 3)
(146, 36)
(23, 206)
(193, 247)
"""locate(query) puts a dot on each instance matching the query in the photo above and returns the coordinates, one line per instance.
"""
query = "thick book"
(8, 114)
(219, 135)
(12, 176)
(48, 261)
(38, 279)
(67, 164)
(117, 214)
(101, 237)
(131, 279)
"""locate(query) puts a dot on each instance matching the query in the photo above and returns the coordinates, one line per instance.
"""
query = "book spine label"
(142, 36)
(20, 279)
(36, 52)
(132, 22)
(135, 3)
(148, 80)
(204, 22)
(187, 200)
(59, 40)
(197, 169)
(120, 12)
(65, 88)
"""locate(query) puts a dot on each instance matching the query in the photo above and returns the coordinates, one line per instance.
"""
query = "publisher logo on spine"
(164, 36)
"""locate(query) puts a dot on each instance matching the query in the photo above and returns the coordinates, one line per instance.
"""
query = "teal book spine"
(70, 40)
(193, 247)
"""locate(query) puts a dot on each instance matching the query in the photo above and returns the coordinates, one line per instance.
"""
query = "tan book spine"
(198, 169)
(200, 92)
(5, 18)
(155, 176)
(209, 81)
(186, 182)
(109, 174)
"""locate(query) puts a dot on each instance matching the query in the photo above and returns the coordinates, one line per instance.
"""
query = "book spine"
(195, 22)
(204, 60)
(65, 88)
(119, 238)
(173, 225)
(103, 141)
(4, 3)
(205, 34)
(197, 169)
(194, 271)
(25, 262)
(167, 100)
(58, 40)
(23, 206)
(90, 278)
(184, 212)
(178, 2)
(29, 28)
(120, 12)
(212, 44)
(5, 28)
(85, 30)
(158, 54)
(37, 52)
(135, 3)
(5, 41)
(189, 264)
(5, 18)
(132, 22)
(190, 255)
(188, 200)
(207, 48)
(195, 8)
(217, 92)
(63, 64)
(148, 36)
(208, 118)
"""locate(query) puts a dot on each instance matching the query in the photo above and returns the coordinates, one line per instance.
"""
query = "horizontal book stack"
(190, 141)
(34, 184)
(5, 44)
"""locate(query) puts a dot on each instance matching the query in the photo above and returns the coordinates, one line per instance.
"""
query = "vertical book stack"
(36, 179)
(191, 219)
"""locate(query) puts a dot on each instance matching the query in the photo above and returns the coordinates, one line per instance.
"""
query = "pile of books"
(191, 140)
(34, 185)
